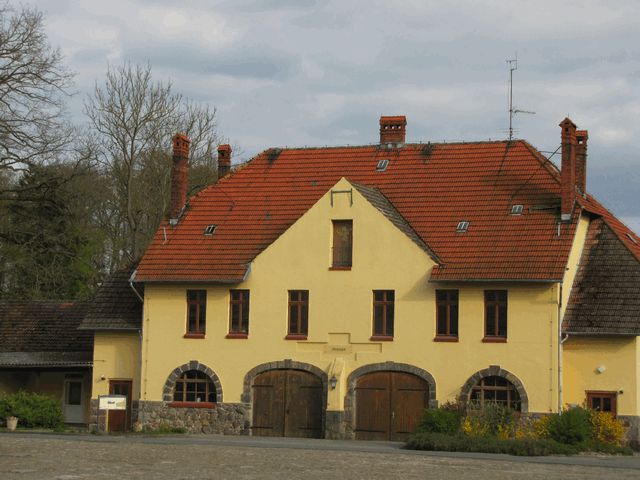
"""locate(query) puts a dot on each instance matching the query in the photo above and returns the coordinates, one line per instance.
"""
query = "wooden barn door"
(287, 403)
(389, 405)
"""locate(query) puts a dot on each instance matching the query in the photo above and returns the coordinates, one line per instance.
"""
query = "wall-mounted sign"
(112, 402)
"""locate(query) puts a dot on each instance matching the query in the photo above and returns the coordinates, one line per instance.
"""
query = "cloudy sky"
(312, 72)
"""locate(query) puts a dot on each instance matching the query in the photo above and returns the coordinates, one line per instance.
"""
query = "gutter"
(131, 279)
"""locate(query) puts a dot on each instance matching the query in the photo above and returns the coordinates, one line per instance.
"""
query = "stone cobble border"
(495, 371)
(170, 384)
(352, 380)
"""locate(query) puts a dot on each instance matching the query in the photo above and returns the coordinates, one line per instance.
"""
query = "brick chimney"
(568, 169)
(224, 160)
(179, 171)
(393, 129)
(581, 161)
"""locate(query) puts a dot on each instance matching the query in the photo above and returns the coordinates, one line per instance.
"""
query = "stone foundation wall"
(335, 426)
(224, 418)
(632, 424)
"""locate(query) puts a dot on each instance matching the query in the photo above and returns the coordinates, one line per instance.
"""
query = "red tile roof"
(432, 186)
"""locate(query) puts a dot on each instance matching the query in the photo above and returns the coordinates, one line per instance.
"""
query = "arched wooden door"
(389, 405)
(287, 403)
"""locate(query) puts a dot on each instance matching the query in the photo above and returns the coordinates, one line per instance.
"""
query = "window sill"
(237, 335)
(193, 335)
(295, 337)
(340, 268)
(192, 405)
(445, 338)
(381, 338)
(494, 340)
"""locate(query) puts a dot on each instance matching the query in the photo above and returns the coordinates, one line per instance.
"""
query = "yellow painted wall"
(116, 356)
(340, 314)
(573, 261)
(583, 355)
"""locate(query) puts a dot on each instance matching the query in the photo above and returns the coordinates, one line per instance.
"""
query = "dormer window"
(462, 227)
(209, 229)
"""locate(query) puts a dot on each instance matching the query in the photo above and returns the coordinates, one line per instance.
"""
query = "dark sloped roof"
(115, 306)
(605, 299)
(44, 333)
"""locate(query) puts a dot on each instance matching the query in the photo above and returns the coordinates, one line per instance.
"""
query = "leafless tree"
(134, 118)
(33, 85)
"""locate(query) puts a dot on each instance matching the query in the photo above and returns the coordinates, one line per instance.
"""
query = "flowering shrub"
(607, 429)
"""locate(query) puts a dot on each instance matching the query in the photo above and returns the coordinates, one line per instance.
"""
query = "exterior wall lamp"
(333, 381)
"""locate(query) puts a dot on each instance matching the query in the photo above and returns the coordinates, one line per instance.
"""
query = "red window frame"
(298, 314)
(238, 314)
(602, 401)
(342, 248)
(384, 311)
(495, 315)
(447, 303)
(196, 314)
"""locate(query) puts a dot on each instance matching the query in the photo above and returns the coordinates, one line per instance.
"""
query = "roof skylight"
(209, 229)
(462, 227)
(382, 165)
(517, 209)
(630, 237)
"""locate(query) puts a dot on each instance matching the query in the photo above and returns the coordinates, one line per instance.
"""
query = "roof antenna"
(513, 66)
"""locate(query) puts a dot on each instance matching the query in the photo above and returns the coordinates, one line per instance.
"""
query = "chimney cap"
(393, 120)
(181, 145)
(567, 122)
(225, 147)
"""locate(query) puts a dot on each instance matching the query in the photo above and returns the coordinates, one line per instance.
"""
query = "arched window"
(194, 386)
(496, 390)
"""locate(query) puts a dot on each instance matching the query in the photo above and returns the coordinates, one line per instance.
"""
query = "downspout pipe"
(561, 341)
(140, 335)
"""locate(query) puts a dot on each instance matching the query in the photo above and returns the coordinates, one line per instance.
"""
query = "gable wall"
(340, 319)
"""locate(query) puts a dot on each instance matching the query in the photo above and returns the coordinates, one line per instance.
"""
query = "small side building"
(114, 320)
(42, 350)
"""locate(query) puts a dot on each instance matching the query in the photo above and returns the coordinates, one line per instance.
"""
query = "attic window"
(630, 237)
(382, 165)
(516, 209)
(209, 229)
(462, 227)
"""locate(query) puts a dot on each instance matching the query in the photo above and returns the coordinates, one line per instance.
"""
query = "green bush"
(440, 421)
(496, 420)
(33, 410)
(573, 426)
(463, 443)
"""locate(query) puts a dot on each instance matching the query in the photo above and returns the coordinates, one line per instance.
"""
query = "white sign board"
(112, 402)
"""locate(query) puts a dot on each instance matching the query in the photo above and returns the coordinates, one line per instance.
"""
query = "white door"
(73, 405)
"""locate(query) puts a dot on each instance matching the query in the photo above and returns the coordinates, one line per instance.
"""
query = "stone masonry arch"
(495, 371)
(170, 384)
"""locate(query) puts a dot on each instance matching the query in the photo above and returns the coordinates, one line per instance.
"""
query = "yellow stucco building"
(337, 292)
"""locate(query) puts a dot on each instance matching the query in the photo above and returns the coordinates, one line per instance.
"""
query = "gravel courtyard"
(67, 457)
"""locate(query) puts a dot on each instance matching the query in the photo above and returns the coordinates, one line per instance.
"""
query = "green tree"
(51, 247)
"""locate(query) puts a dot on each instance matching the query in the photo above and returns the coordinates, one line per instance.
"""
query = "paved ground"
(69, 457)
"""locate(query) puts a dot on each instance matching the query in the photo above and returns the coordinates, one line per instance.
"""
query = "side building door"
(120, 420)
(287, 403)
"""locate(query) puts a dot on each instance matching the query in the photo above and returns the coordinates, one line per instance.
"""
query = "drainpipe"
(560, 342)
(141, 337)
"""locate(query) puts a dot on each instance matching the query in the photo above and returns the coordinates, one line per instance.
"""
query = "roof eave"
(493, 280)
